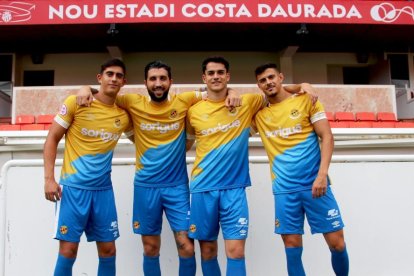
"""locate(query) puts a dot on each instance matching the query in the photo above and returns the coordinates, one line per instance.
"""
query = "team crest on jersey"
(193, 228)
(63, 110)
(117, 123)
(63, 229)
(136, 224)
(277, 223)
(204, 117)
(294, 114)
(90, 117)
(233, 112)
(173, 114)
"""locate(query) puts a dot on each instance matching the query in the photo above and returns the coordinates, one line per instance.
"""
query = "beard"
(158, 99)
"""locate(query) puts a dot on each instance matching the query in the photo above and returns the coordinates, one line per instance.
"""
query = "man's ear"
(282, 77)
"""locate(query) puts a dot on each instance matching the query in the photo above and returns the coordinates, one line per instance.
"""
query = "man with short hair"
(85, 199)
(161, 180)
(290, 128)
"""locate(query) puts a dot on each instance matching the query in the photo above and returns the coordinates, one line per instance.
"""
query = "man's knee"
(151, 245)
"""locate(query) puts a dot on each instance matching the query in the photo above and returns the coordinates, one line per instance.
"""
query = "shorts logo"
(117, 123)
(242, 221)
(332, 213)
(336, 224)
(173, 114)
(136, 224)
(63, 229)
(277, 223)
(294, 114)
(63, 110)
(193, 228)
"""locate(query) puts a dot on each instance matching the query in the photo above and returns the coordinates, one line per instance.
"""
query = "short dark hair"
(215, 59)
(113, 62)
(260, 69)
(158, 64)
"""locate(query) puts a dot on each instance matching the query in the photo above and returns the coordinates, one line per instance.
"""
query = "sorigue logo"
(220, 127)
(162, 128)
(105, 136)
(284, 132)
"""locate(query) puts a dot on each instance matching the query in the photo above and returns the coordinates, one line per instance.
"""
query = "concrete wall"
(375, 210)
(354, 98)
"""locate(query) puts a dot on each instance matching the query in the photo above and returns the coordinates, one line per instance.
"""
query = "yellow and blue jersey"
(221, 143)
(291, 143)
(91, 136)
(159, 130)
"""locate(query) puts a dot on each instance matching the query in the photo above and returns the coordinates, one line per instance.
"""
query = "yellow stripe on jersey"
(92, 134)
(221, 143)
(160, 137)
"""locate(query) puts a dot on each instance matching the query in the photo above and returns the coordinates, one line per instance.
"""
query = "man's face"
(158, 84)
(270, 82)
(216, 77)
(111, 80)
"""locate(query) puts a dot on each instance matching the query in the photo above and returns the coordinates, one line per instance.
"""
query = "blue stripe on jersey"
(92, 172)
(227, 167)
(297, 167)
(164, 165)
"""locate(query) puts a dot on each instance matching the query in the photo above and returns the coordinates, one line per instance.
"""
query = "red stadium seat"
(44, 119)
(383, 124)
(32, 127)
(25, 119)
(386, 116)
(9, 127)
(365, 116)
(330, 116)
(360, 124)
(404, 124)
(339, 124)
(344, 116)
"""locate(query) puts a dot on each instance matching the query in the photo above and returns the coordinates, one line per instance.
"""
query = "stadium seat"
(344, 116)
(32, 127)
(339, 124)
(44, 119)
(386, 117)
(25, 119)
(360, 124)
(365, 116)
(404, 124)
(330, 116)
(383, 124)
(9, 127)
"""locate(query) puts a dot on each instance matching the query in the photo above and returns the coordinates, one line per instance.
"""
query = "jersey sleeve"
(190, 132)
(255, 101)
(121, 101)
(317, 112)
(67, 112)
(192, 97)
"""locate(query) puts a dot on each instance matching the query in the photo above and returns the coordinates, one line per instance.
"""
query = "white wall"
(375, 199)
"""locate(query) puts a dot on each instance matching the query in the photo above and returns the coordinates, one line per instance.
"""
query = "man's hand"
(319, 186)
(84, 96)
(233, 99)
(53, 192)
(310, 90)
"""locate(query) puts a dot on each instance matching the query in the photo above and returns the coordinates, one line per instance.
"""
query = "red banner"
(225, 11)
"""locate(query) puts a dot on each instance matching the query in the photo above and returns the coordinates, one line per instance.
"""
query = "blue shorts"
(92, 212)
(322, 213)
(150, 203)
(227, 208)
